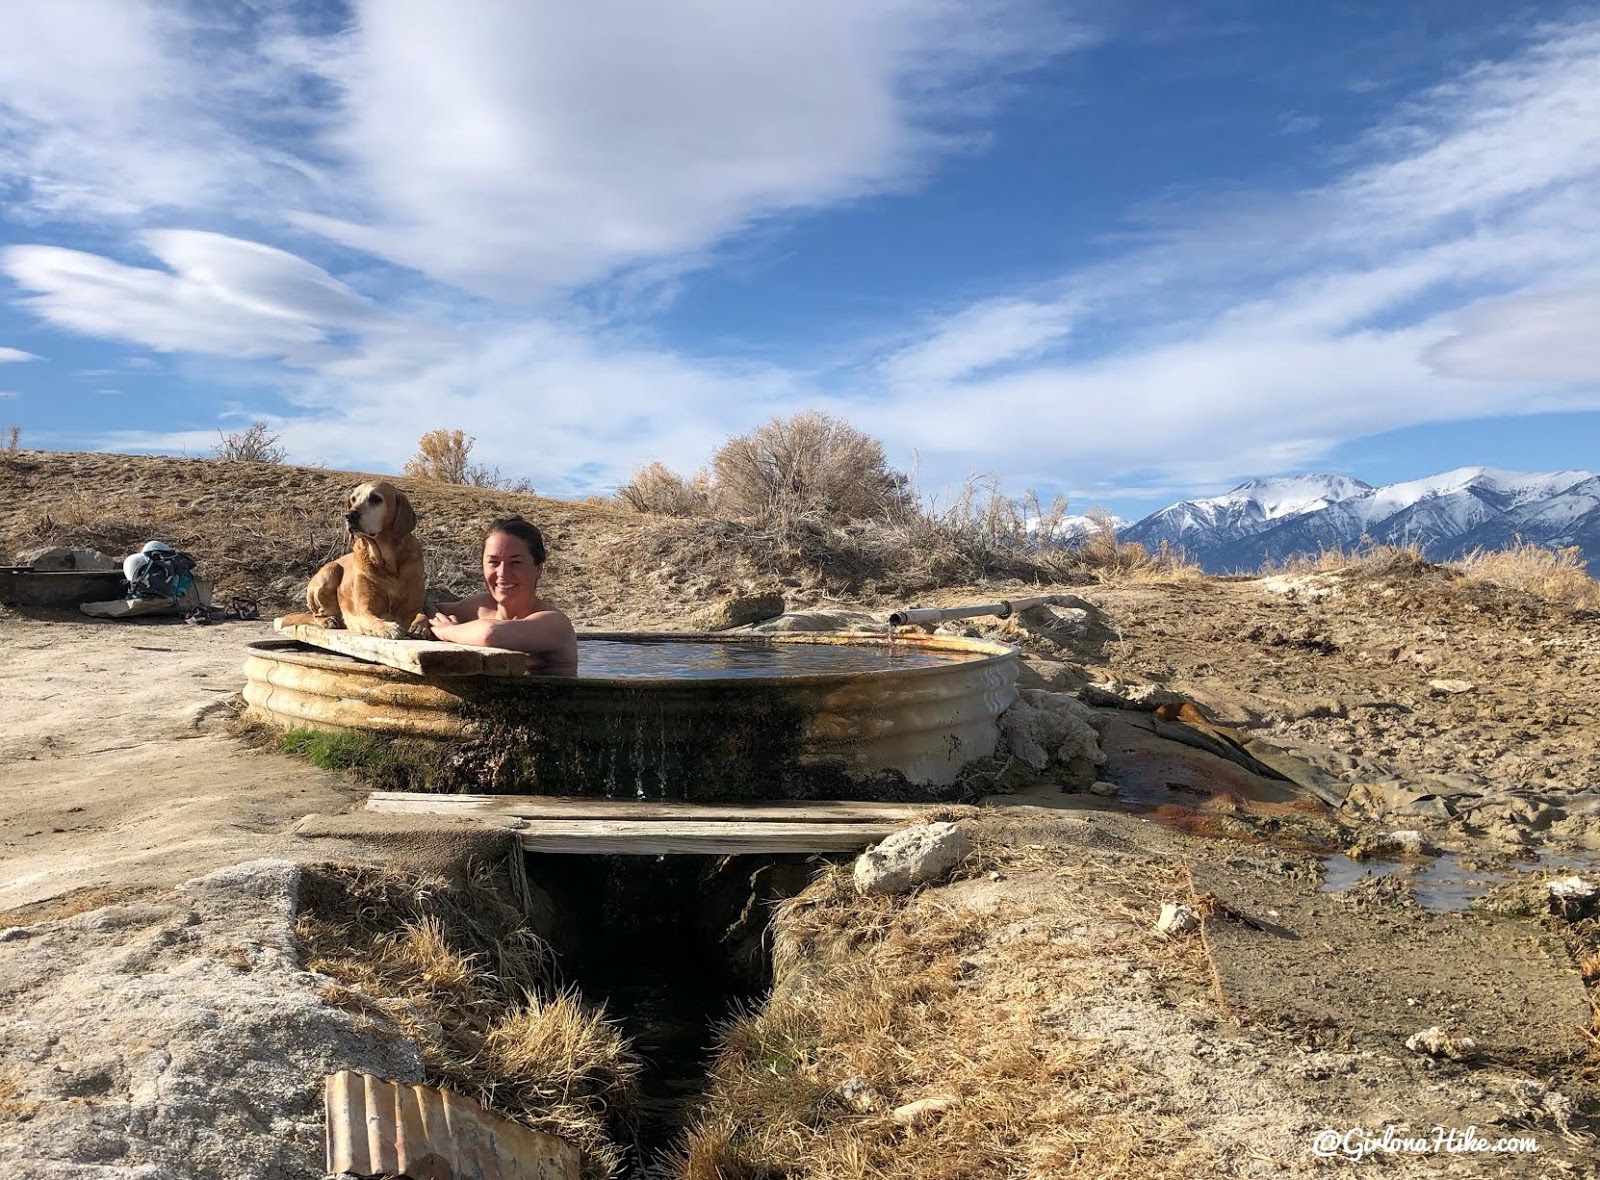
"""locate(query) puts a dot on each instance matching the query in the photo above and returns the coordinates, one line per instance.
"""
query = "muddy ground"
(1465, 712)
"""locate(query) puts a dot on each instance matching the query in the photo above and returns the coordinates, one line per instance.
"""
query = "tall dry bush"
(446, 457)
(657, 489)
(255, 444)
(807, 466)
(13, 437)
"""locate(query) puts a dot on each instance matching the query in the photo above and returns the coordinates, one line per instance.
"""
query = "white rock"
(1104, 789)
(1177, 919)
(920, 1111)
(1450, 688)
(1406, 842)
(1435, 1042)
(1118, 695)
(915, 856)
(1572, 889)
(861, 1096)
(1044, 728)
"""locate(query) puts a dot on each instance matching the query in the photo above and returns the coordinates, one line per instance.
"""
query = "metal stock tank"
(663, 715)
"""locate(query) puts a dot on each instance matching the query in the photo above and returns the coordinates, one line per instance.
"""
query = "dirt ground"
(1465, 713)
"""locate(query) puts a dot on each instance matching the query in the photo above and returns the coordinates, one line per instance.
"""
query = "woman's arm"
(446, 613)
(546, 632)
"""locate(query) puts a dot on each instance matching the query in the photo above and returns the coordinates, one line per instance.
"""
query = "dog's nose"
(352, 518)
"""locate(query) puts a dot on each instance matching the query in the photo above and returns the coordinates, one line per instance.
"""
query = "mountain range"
(1448, 515)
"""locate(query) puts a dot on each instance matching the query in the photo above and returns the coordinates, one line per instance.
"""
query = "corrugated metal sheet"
(378, 1128)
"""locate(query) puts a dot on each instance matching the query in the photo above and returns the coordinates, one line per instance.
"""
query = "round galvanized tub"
(816, 734)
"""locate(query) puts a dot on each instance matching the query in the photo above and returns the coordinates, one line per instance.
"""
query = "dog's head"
(379, 508)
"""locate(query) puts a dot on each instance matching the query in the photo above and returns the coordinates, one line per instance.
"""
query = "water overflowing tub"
(661, 715)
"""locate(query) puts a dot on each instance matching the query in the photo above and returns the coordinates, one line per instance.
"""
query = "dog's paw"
(392, 631)
(330, 622)
(419, 628)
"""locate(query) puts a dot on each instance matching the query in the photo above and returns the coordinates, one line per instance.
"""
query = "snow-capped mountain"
(1449, 515)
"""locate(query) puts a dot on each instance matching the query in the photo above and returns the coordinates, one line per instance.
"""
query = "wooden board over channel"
(418, 656)
(547, 823)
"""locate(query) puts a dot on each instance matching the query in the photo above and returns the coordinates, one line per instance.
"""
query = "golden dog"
(376, 588)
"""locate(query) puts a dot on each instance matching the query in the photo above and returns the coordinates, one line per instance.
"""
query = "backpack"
(166, 573)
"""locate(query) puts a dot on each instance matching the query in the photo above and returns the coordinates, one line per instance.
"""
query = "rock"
(914, 1113)
(58, 558)
(1052, 728)
(1574, 897)
(1449, 688)
(1435, 1042)
(1116, 694)
(1404, 842)
(1177, 919)
(1104, 789)
(738, 611)
(860, 1096)
(915, 856)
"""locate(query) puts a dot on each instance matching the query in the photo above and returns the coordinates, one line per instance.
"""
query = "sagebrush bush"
(657, 489)
(446, 456)
(254, 444)
(12, 435)
(810, 465)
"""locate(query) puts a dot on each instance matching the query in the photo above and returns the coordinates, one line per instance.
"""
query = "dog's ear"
(404, 518)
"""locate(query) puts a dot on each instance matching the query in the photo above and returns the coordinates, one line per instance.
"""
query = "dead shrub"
(446, 456)
(656, 488)
(1556, 575)
(13, 438)
(255, 444)
(810, 465)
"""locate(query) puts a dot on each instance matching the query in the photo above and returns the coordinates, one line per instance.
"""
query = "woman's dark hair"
(516, 527)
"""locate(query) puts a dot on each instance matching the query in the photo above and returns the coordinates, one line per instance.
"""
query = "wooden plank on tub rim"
(420, 657)
(577, 807)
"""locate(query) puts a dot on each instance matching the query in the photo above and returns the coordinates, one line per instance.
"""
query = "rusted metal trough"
(707, 736)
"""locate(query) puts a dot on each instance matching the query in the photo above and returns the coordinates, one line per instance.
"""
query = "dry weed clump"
(920, 1001)
(1556, 575)
(453, 966)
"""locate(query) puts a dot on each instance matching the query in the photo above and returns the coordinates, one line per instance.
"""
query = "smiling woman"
(510, 613)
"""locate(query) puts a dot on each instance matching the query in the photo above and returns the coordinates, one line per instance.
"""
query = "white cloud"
(10, 356)
(8, 393)
(221, 296)
(1542, 336)
(513, 148)
(981, 337)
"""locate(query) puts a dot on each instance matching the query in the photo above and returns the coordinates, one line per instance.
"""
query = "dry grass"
(1366, 558)
(924, 1000)
(455, 970)
(1556, 575)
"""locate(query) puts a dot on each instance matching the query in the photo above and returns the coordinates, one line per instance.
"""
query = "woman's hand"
(442, 626)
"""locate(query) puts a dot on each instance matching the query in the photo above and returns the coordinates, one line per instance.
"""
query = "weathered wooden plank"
(559, 807)
(418, 656)
(683, 837)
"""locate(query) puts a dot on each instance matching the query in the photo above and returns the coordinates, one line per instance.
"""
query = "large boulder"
(738, 611)
(60, 558)
(916, 856)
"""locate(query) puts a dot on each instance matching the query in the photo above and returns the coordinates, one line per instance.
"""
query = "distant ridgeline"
(1448, 515)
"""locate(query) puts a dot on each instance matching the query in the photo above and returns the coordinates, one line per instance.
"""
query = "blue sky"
(1131, 252)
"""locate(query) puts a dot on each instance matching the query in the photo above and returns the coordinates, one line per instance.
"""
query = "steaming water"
(692, 660)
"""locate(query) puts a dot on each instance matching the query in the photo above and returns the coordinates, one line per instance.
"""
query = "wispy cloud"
(14, 355)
